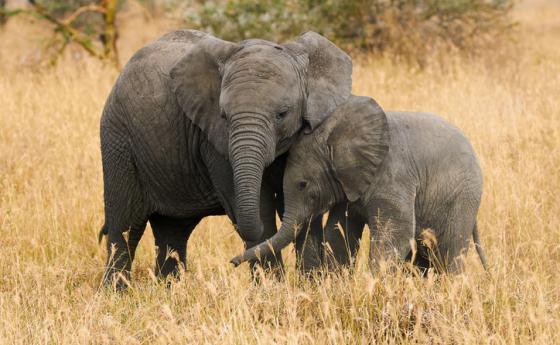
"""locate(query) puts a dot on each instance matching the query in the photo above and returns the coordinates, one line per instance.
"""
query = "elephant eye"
(302, 185)
(222, 113)
(281, 114)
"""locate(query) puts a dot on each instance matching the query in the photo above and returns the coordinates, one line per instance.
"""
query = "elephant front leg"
(270, 263)
(343, 232)
(171, 236)
(392, 226)
(309, 246)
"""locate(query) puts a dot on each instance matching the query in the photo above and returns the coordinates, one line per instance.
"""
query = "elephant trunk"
(288, 233)
(251, 150)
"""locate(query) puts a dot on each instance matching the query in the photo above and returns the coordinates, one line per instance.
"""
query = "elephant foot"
(115, 279)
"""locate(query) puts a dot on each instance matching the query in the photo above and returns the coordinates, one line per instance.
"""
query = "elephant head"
(251, 98)
(337, 161)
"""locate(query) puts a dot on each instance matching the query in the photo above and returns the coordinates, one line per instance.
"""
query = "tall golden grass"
(507, 102)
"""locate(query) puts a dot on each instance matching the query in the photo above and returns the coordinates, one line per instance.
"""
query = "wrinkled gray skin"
(190, 126)
(400, 172)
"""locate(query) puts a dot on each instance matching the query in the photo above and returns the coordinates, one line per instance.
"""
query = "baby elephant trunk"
(287, 234)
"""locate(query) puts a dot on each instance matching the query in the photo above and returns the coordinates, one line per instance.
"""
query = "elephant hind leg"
(121, 252)
(420, 258)
(453, 238)
(125, 210)
(392, 226)
(171, 236)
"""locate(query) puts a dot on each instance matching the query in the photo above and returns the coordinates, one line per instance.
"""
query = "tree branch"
(87, 8)
(66, 29)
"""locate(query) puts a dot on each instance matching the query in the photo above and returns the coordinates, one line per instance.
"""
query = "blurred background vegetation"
(404, 27)
(407, 29)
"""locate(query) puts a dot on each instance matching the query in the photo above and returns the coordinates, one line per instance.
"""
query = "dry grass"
(51, 209)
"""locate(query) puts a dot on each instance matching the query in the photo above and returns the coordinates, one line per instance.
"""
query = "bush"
(410, 28)
(241, 19)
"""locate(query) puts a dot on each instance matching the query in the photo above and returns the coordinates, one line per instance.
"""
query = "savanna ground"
(508, 103)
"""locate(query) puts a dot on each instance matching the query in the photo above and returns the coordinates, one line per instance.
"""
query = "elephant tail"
(478, 246)
(103, 232)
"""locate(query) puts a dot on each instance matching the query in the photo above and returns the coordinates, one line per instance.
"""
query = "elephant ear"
(329, 75)
(197, 81)
(358, 143)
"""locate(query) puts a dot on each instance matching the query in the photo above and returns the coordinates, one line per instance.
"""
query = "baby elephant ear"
(358, 143)
(329, 75)
(197, 83)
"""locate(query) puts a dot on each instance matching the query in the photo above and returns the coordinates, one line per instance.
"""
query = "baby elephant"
(400, 172)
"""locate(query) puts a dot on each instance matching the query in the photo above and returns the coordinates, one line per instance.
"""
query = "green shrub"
(241, 19)
(410, 28)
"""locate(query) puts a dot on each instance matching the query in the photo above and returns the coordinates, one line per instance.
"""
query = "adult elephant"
(190, 126)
